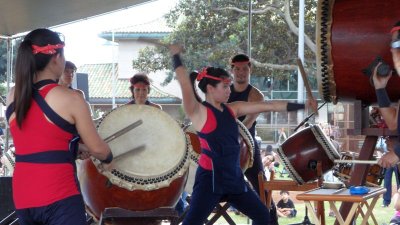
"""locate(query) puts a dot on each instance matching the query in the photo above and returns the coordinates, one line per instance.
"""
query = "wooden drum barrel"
(350, 35)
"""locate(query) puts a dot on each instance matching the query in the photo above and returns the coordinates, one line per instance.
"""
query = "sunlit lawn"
(382, 215)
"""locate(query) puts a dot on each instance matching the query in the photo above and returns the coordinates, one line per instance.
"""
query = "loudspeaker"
(81, 82)
(6, 199)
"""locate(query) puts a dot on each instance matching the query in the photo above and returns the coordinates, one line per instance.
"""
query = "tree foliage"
(212, 31)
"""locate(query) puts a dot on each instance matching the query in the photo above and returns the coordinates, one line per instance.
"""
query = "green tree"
(212, 31)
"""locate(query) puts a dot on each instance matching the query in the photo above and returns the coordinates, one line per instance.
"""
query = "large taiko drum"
(151, 162)
(301, 152)
(246, 151)
(350, 34)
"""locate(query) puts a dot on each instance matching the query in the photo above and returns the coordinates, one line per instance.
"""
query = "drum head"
(149, 155)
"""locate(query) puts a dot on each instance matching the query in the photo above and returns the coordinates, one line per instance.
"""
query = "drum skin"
(150, 166)
(99, 193)
(350, 34)
(303, 149)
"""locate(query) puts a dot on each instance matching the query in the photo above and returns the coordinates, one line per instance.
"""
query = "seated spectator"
(285, 206)
(268, 165)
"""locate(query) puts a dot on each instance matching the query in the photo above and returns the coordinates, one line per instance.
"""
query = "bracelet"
(294, 106)
(382, 97)
(108, 159)
(176, 61)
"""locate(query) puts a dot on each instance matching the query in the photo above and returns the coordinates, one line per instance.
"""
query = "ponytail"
(193, 76)
(25, 67)
(28, 63)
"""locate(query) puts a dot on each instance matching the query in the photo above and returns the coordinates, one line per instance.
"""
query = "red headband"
(240, 63)
(204, 74)
(394, 29)
(140, 85)
(48, 49)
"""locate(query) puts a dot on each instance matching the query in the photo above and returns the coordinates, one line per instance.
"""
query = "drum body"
(246, 151)
(151, 162)
(301, 152)
(350, 35)
(375, 175)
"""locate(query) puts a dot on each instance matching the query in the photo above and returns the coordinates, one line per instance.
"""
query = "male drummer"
(242, 90)
(389, 114)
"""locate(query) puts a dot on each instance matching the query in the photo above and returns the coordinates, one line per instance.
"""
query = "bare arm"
(193, 109)
(254, 96)
(86, 129)
(389, 114)
(244, 108)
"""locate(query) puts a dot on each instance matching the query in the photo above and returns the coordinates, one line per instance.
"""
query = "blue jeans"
(387, 183)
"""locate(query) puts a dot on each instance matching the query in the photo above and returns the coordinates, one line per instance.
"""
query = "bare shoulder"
(65, 96)
(80, 92)
(256, 95)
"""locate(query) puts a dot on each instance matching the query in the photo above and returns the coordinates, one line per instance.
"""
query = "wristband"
(382, 97)
(176, 61)
(108, 159)
(294, 106)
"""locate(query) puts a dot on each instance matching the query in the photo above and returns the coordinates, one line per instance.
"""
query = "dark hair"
(26, 66)
(240, 58)
(137, 78)
(212, 71)
(397, 24)
(70, 65)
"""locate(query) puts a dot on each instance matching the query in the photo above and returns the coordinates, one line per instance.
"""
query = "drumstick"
(123, 131)
(303, 74)
(356, 161)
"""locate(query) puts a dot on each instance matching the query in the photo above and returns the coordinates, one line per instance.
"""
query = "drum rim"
(245, 133)
(292, 172)
(325, 74)
(131, 182)
(326, 143)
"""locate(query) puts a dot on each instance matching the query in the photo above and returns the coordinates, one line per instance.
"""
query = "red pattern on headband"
(48, 49)
(140, 85)
(240, 63)
(203, 74)
(394, 29)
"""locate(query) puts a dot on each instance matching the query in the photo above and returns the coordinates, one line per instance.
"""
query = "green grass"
(382, 215)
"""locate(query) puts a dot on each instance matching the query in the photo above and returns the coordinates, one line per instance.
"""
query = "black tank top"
(243, 96)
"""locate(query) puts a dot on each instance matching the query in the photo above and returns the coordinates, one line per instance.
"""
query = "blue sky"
(83, 46)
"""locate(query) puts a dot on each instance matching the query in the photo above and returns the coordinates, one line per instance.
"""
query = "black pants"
(70, 210)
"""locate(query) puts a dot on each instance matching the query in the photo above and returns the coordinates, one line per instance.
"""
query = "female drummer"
(389, 114)
(140, 89)
(219, 176)
(43, 118)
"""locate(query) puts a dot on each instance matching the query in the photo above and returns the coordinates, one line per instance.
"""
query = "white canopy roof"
(17, 16)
